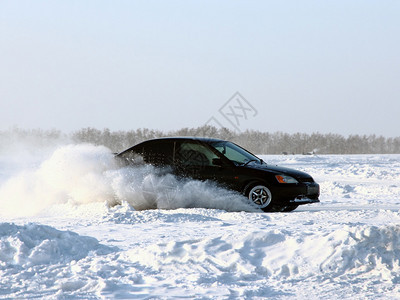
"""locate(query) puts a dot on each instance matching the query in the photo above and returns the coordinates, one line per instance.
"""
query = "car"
(269, 187)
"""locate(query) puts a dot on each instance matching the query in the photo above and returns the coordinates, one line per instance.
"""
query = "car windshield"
(235, 153)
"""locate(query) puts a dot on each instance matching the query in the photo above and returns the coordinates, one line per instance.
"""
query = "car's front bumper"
(303, 201)
(301, 193)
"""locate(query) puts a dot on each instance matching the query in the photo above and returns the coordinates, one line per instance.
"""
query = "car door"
(196, 160)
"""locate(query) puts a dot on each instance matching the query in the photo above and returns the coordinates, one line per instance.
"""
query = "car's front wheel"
(289, 208)
(260, 195)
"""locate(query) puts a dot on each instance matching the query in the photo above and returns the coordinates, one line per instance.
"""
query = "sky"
(290, 66)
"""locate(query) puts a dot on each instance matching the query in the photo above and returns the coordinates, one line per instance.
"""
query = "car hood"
(279, 170)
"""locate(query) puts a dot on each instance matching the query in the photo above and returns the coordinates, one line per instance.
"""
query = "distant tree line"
(256, 141)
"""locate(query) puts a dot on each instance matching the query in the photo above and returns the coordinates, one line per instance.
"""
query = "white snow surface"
(76, 225)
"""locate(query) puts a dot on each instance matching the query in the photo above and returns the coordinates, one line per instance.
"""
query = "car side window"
(132, 157)
(194, 154)
(159, 153)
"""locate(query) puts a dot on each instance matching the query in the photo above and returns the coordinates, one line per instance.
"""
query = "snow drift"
(32, 244)
(371, 251)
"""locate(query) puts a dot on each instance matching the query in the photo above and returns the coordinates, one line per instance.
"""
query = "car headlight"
(285, 179)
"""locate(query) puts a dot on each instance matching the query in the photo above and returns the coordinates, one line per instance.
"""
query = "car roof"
(175, 138)
(189, 138)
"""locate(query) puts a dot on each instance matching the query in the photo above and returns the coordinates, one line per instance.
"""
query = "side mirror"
(217, 162)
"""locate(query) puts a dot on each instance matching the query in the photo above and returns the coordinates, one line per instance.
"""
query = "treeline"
(255, 141)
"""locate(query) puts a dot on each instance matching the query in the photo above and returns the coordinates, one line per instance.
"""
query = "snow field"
(69, 229)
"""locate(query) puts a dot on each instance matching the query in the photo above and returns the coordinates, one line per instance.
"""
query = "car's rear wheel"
(260, 195)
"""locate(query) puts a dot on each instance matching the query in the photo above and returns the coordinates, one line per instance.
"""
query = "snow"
(76, 225)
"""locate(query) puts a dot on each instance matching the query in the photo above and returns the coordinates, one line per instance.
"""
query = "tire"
(260, 195)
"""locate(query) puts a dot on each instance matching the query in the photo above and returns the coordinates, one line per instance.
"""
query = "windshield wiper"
(249, 161)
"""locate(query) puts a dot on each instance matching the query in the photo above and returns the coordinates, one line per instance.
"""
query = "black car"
(272, 188)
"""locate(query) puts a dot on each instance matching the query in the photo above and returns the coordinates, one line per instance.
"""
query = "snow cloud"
(82, 174)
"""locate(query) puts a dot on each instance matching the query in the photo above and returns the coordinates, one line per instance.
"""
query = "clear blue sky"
(305, 66)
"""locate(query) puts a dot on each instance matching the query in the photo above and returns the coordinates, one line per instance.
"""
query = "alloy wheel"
(260, 195)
